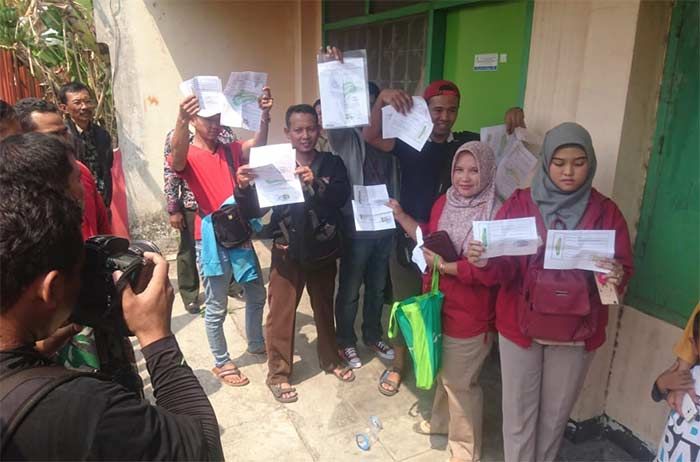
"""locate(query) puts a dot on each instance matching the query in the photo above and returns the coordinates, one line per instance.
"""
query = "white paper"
(372, 217)
(344, 93)
(387, 123)
(370, 210)
(486, 62)
(516, 236)
(502, 143)
(607, 292)
(413, 128)
(515, 170)
(241, 93)
(371, 195)
(578, 249)
(417, 256)
(275, 181)
(498, 140)
(207, 89)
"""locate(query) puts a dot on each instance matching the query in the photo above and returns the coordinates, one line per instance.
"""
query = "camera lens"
(139, 247)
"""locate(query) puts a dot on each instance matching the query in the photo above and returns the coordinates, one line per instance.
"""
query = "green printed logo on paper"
(244, 97)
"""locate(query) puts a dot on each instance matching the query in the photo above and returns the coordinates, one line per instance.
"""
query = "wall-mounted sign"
(486, 62)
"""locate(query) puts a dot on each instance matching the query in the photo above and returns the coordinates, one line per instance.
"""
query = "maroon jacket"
(468, 307)
(509, 271)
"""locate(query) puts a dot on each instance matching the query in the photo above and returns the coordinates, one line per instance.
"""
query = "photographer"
(94, 349)
(41, 255)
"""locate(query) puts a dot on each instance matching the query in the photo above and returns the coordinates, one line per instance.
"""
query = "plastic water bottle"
(365, 440)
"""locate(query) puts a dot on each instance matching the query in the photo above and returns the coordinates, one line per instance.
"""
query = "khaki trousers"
(540, 386)
(459, 400)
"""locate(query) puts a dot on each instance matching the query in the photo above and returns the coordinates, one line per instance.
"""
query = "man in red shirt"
(208, 167)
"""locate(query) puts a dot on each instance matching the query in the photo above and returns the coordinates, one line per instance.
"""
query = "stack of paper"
(237, 104)
(275, 181)
(507, 237)
(370, 210)
(413, 128)
(344, 91)
(207, 89)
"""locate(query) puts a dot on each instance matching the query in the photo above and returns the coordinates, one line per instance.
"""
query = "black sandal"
(384, 380)
(277, 391)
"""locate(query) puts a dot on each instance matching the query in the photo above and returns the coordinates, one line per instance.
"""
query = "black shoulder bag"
(230, 227)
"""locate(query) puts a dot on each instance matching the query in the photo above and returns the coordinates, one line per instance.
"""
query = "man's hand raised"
(398, 99)
(331, 53)
(266, 100)
(189, 107)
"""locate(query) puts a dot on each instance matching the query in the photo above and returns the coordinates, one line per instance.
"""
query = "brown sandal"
(221, 374)
(278, 390)
(384, 380)
(340, 372)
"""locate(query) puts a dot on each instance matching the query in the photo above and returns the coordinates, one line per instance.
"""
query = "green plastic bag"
(420, 321)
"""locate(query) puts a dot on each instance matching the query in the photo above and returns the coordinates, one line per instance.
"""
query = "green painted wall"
(490, 27)
(666, 283)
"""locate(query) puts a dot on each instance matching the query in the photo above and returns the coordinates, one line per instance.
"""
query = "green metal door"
(667, 251)
(501, 28)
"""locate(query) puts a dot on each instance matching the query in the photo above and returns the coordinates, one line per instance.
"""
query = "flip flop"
(277, 391)
(340, 374)
(423, 428)
(221, 374)
(384, 380)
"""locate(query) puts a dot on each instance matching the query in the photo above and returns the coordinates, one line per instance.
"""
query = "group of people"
(55, 185)
(445, 186)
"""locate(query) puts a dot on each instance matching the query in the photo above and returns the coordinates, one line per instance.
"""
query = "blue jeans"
(364, 261)
(216, 304)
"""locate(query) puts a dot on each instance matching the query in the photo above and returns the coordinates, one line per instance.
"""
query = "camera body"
(99, 303)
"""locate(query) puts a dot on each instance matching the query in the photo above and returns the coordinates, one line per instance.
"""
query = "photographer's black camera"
(99, 303)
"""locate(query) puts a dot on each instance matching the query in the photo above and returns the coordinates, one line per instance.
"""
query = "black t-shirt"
(89, 418)
(425, 174)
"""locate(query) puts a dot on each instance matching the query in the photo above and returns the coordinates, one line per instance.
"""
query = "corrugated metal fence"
(16, 82)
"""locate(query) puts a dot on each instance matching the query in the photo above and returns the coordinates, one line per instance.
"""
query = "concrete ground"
(322, 424)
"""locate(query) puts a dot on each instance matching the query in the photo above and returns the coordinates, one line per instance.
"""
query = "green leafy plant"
(56, 40)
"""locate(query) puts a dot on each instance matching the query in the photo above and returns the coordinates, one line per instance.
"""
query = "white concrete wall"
(579, 69)
(599, 63)
(154, 45)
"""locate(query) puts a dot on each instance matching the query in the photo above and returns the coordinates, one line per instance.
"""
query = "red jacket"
(95, 220)
(468, 308)
(508, 271)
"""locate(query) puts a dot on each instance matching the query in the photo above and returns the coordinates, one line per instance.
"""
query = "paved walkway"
(321, 426)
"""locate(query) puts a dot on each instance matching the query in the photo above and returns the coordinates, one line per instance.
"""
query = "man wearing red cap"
(425, 175)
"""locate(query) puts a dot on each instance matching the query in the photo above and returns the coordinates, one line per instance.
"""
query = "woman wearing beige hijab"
(468, 308)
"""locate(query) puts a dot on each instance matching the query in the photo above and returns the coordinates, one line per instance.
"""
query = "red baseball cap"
(440, 87)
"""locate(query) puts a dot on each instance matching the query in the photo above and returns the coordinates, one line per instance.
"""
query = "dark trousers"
(187, 274)
(365, 261)
(287, 282)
